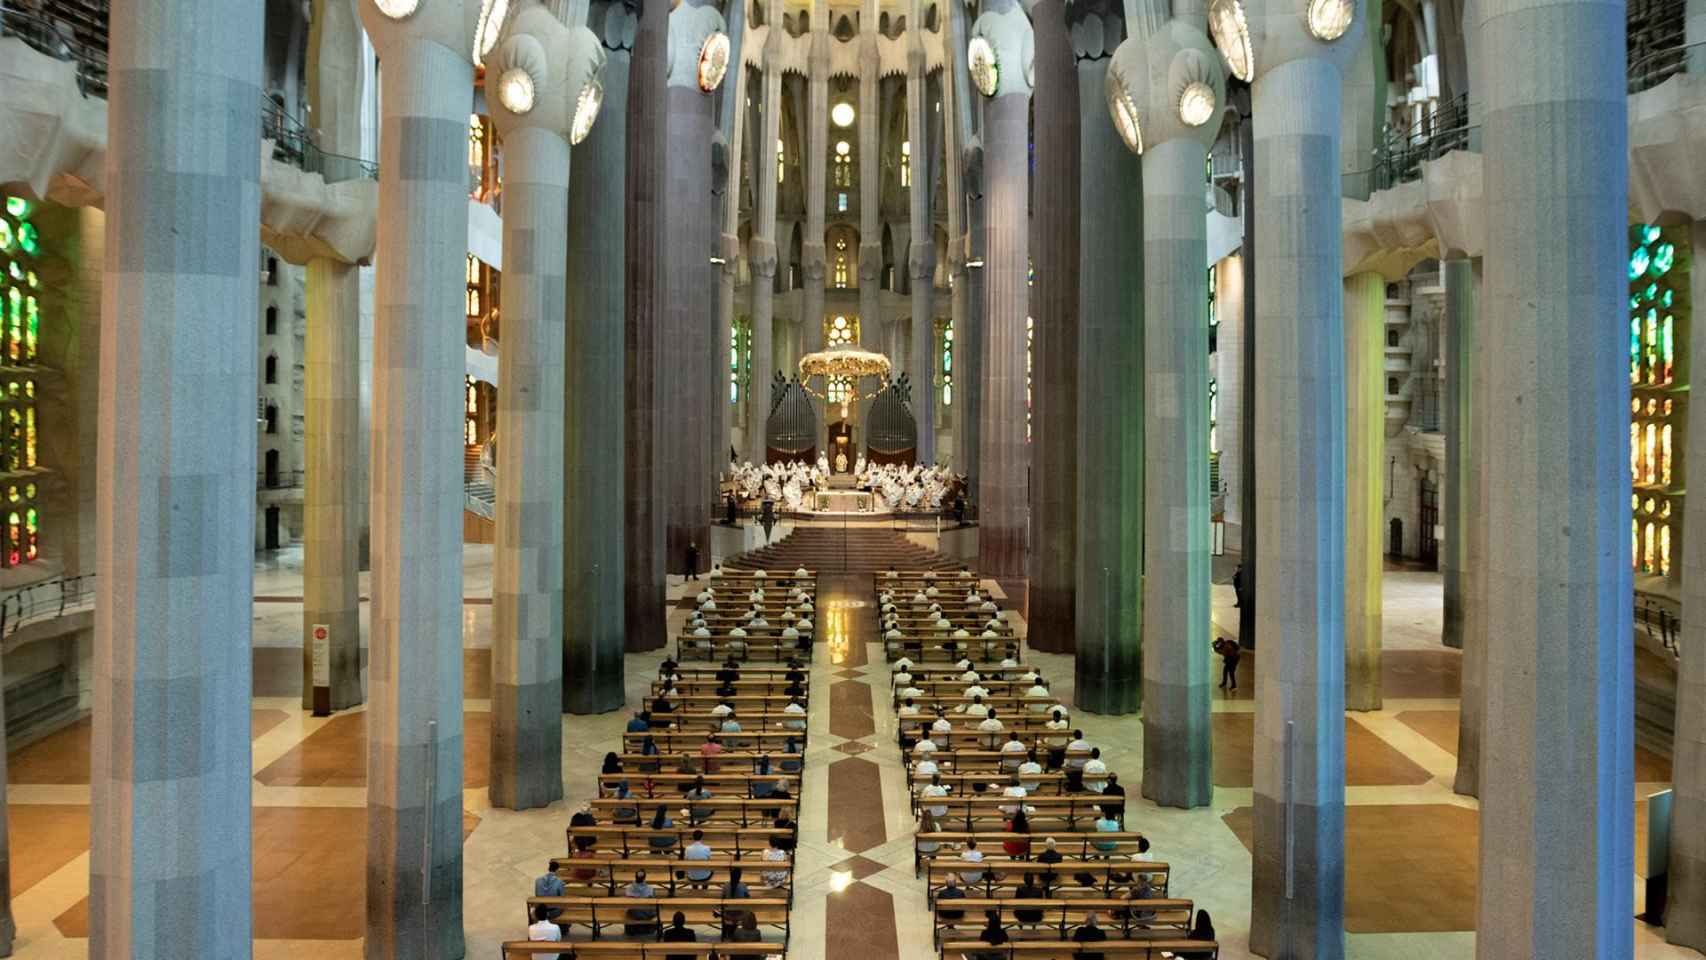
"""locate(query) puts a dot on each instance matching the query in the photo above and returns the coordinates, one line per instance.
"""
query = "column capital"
(690, 26)
(545, 75)
(452, 24)
(1006, 30)
(1166, 86)
(616, 23)
(761, 257)
(1258, 35)
(870, 261)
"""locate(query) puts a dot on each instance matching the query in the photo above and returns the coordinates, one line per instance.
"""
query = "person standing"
(692, 560)
(1229, 654)
(1238, 586)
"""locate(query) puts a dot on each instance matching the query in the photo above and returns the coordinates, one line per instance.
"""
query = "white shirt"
(970, 676)
(544, 930)
(1095, 765)
(991, 725)
(941, 725)
(989, 606)
(902, 678)
(1028, 771)
(722, 710)
(1077, 746)
(977, 709)
(964, 664)
(907, 710)
(1016, 793)
(1008, 663)
(973, 856)
(910, 691)
(926, 767)
(1055, 725)
(976, 690)
(924, 747)
(903, 663)
(1015, 747)
(794, 709)
(935, 790)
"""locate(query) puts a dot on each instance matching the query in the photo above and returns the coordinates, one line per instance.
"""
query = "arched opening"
(272, 321)
(272, 367)
(272, 418)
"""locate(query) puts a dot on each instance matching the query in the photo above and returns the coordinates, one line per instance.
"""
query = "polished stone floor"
(1410, 843)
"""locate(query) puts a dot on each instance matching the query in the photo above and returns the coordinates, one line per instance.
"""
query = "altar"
(842, 501)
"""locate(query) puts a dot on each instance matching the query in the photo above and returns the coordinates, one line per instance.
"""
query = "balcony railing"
(292, 144)
(57, 39)
(45, 601)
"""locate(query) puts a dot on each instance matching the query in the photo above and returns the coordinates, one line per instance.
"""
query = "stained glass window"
(1658, 273)
(740, 358)
(21, 309)
(945, 337)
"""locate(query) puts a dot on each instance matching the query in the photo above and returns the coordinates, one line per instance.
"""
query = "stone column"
(8, 929)
(685, 347)
(529, 648)
(169, 872)
(1365, 472)
(595, 431)
(1177, 758)
(1557, 747)
(414, 715)
(1685, 913)
(870, 189)
(333, 498)
(1109, 599)
(817, 162)
(1297, 907)
(1465, 505)
(965, 233)
(763, 256)
(921, 253)
(1054, 427)
(642, 494)
(1229, 347)
(1003, 496)
(727, 250)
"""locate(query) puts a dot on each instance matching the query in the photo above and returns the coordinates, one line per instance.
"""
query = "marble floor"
(1410, 843)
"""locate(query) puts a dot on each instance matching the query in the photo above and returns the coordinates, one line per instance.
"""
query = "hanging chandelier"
(847, 365)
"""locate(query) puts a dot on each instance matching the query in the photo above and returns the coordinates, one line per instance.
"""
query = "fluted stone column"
(642, 494)
(817, 162)
(595, 431)
(530, 648)
(169, 865)
(1365, 470)
(1054, 391)
(1003, 498)
(733, 126)
(870, 186)
(333, 498)
(1297, 903)
(1109, 598)
(1557, 859)
(921, 253)
(685, 347)
(1456, 273)
(1685, 912)
(763, 257)
(8, 928)
(1465, 506)
(1229, 347)
(1177, 758)
(414, 715)
(966, 182)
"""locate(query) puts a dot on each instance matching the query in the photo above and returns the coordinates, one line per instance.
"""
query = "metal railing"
(46, 600)
(1401, 153)
(278, 480)
(1656, 66)
(56, 39)
(293, 144)
(1661, 618)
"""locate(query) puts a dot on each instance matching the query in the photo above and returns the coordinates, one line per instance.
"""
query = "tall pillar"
(8, 928)
(1003, 497)
(817, 172)
(1054, 427)
(727, 252)
(921, 253)
(1109, 599)
(965, 186)
(1365, 470)
(1297, 902)
(1557, 859)
(333, 500)
(414, 715)
(1465, 506)
(594, 430)
(763, 257)
(1177, 758)
(169, 870)
(529, 645)
(642, 494)
(1685, 913)
(870, 184)
(685, 348)
(1229, 424)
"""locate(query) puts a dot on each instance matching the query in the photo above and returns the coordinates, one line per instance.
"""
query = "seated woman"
(1018, 847)
(612, 764)
(993, 934)
(661, 821)
(625, 813)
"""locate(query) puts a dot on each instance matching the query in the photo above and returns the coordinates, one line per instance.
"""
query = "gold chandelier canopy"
(844, 362)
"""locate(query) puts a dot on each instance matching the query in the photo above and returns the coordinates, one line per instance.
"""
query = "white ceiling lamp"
(1231, 31)
(713, 61)
(586, 111)
(515, 90)
(1124, 110)
(1196, 104)
(1329, 19)
(397, 9)
(842, 148)
(842, 114)
(985, 67)
(491, 23)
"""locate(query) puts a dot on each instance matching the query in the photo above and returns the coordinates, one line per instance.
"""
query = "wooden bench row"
(666, 785)
(677, 740)
(739, 843)
(1068, 950)
(1120, 918)
(716, 810)
(1073, 847)
(992, 877)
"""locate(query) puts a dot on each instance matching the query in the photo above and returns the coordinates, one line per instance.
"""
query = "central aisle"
(855, 897)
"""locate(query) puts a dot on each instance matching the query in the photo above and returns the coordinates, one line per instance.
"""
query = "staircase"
(843, 550)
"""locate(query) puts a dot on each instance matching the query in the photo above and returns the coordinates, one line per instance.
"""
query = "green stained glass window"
(27, 238)
(1638, 262)
(17, 206)
(1664, 255)
(5, 236)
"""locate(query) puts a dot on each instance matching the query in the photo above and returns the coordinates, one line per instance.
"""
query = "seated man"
(640, 921)
(698, 850)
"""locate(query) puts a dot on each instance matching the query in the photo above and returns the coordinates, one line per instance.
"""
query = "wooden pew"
(764, 649)
(1073, 847)
(1121, 918)
(999, 877)
(606, 876)
(653, 785)
(599, 913)
(1067, 950)
(1071, 812)
(739, 843)
(981, 761)
(638, 765)
(717, 810)
(678, 740)
(707, 685)
(638, 950)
